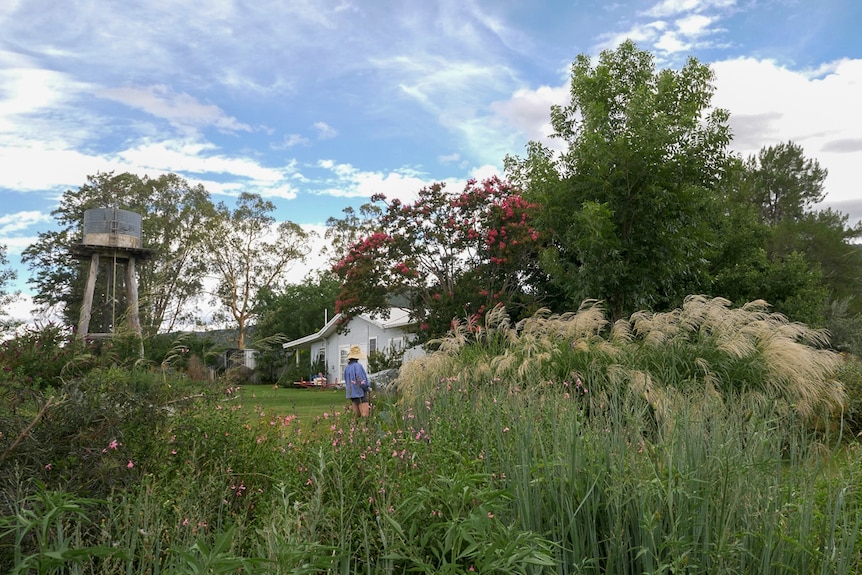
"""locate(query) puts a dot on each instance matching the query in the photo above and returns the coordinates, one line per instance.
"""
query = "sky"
(318, 104)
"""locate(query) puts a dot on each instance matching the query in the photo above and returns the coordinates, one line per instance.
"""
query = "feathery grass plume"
(738, 350)
(497, 321)
(418, 377)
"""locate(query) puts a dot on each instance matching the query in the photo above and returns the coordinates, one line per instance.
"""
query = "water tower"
(112, 243)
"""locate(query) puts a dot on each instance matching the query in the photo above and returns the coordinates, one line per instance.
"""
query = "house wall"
(361, 332)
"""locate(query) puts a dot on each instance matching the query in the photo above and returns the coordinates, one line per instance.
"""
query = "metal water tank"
(112, 227)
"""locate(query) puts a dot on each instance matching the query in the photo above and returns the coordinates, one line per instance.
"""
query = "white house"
(370, 333)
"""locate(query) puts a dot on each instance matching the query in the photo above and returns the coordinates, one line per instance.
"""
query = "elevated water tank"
(112, 227)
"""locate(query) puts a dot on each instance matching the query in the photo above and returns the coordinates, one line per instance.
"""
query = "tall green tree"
(784, 187)
(297, 309)
(627, 208)
(448, 255)
(783, 183)
(248, 252)
(175, 218)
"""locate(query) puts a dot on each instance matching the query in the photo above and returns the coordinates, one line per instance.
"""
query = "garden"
(708, 439)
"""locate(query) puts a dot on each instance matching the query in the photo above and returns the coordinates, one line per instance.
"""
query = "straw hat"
(355, 353)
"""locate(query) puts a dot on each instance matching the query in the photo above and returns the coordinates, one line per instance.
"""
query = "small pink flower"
(48, 466)
(490, 515)
(130, 464)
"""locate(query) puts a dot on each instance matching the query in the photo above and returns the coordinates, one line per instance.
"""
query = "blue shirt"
(354, 378)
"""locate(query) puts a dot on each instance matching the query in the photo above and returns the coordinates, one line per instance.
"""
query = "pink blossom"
(130, 464)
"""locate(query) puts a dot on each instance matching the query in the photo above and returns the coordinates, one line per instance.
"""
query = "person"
(356, 385)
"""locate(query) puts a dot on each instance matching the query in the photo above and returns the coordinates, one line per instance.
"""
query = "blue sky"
(319, 104)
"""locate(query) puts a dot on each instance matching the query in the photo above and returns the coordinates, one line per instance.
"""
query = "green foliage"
(45, 533)
(845, 328)
(555, 444)
(627, 210)
(827, 243)
(249, 252)
(453, 525)
(175, 221)
(704, 346)
(850, 375)
(782, 183)
(7, 275)
(296, 310)
(38, 357)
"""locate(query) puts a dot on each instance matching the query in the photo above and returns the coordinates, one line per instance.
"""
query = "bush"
(850, 375)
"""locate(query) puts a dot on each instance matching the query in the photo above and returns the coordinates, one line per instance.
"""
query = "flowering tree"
(449, 255)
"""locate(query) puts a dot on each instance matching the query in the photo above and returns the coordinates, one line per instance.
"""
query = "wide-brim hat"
(355, 353)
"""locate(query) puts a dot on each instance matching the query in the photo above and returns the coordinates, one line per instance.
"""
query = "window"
(396, 344)
(342, 358)
(372, 345)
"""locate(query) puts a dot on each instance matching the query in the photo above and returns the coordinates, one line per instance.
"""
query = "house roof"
(398, 317)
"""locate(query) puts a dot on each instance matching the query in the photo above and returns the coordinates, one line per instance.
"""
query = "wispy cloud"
(179, 109)
(674, 26)
(324, 131)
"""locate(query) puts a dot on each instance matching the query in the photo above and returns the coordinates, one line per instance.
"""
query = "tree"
(827, 242)
(249, 252)
(297, 310)
(7, 275)
(783, 186)
(447, 255)
(627, 207)
(175, 216)
(783, 183)
(342, 233)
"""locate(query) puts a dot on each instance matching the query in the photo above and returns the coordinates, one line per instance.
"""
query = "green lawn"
(304, 403)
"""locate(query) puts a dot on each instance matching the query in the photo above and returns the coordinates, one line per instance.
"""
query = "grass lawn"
(304, 403)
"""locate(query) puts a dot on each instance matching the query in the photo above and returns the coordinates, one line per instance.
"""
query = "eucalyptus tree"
(175, 218)
(248, 251)
(7, 275)
(627, 207)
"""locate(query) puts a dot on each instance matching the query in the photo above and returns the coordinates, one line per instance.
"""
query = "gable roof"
(398, 317)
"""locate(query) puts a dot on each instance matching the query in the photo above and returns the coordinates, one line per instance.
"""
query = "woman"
(356, 382)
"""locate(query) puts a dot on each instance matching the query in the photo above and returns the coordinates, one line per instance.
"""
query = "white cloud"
(529, 111)
(16, 222)
(325, 131)
(675, 7)
(24, 167)
(643, 33)
(291, 140)
(181, 110)
(770, 103)
(351, 182)
(193, 157)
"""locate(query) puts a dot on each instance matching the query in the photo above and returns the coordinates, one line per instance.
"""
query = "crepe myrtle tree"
(450, 255)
